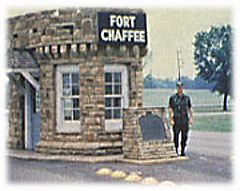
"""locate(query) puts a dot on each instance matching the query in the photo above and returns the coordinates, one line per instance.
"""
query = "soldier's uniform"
(180, 106)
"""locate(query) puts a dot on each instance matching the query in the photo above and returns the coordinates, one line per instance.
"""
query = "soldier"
(179, 107)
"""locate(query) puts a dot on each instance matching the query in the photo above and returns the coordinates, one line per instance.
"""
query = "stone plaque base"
(153, 161)
(138, 148)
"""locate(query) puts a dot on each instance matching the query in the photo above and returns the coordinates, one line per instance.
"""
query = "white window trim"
(62, 125)
(116, 125)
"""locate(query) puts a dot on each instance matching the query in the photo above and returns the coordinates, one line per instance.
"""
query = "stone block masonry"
(15, 117)
(93, 139)
(71, 37)
(47, 102)
(91, 80)
(133, 145)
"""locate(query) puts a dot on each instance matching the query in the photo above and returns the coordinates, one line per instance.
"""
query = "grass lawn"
(199, 109)
(222, 123)
(160, 97)
(204, 101)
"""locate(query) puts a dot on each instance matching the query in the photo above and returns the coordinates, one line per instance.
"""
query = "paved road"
(208, 153)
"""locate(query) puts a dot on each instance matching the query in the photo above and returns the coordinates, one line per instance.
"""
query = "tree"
(149, 82)
(199, 83)
(213, 58)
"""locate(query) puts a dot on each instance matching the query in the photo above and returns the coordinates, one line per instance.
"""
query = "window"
(34, 30)
(87, 27)
(116, 95)
(113, 95)
(36, 101)
(68, 112)
(70, 96)
(66, 27)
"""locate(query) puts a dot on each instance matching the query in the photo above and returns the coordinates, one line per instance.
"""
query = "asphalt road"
(209, 162)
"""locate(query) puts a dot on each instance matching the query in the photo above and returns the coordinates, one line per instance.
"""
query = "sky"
(169, 30)
(172, 30)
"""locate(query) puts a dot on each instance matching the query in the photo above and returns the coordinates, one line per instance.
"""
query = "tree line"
(213, 60)
(150, 82)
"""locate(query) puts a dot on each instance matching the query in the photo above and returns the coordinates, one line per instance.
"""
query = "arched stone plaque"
(152, 127)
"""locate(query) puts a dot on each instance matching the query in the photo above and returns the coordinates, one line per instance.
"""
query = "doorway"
(31, 113)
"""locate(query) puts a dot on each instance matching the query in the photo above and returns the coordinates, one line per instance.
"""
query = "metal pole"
(178, 64)
(151, 76)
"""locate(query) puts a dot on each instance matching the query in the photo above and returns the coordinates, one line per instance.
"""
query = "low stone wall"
(133, 145)
(80, 148)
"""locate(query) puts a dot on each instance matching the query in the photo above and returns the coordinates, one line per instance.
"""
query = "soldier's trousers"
(183, 128)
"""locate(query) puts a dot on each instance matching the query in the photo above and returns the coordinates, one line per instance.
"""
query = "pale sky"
(174, 29)
(170, 30)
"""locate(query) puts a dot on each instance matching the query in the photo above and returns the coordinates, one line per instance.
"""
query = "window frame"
(65, 126)
(116, 125)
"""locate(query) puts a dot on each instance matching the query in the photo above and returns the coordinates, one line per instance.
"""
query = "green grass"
(212, 109)
(160, 97)
(212, 102)
(222, 123)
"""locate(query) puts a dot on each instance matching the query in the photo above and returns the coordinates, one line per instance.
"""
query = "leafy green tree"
(149, 82)
(199, 83)
(213, 58)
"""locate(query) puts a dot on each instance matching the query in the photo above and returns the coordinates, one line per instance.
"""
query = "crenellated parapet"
(74, 33)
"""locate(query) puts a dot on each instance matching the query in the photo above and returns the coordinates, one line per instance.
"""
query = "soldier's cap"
(178, 84)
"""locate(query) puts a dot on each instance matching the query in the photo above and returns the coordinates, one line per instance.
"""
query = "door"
(35, 119)
(31, 118)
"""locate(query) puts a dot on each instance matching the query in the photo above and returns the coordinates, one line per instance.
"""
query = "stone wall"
(15, 116)
(72, 30)
(91, 86)
(47, 102)
(136, 84)
(70, 36)
(93, 139)
(133, 145)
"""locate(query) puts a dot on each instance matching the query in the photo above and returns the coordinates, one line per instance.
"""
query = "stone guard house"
(76, 85)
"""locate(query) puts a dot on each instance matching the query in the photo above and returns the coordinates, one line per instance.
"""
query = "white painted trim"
(26, 74)
(125, 87)
(116, 125)
(19, 70)
(31, 80)
(26, 117)
(64, 126)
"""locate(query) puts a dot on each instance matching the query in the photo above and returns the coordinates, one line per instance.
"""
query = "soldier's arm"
(191, 116)
(170, 113)
(190, 111)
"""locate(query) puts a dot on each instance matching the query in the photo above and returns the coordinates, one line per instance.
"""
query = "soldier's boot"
(183, 153)
(176, 148)
(183, 150)
(184, 141)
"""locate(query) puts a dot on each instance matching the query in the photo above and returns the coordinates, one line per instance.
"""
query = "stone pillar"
(136, 84)
(48, 103)
(16, 118)
(91, 86)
